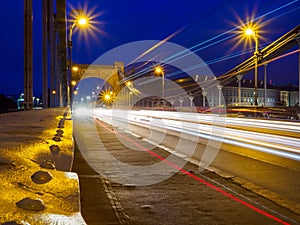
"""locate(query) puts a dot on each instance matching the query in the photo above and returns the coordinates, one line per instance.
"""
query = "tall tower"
(61, 71)
(54, 53)
(45, 21)
(28, 91)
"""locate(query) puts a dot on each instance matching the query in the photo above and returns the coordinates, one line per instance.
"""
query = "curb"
(37, 186)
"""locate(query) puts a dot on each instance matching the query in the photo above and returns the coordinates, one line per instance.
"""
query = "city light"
(82, 21)
(160, 70)
(75, 68)
(73, 82)
(249, 32)
(107, 96)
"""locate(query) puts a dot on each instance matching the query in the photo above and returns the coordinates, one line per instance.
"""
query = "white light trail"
(206, 126)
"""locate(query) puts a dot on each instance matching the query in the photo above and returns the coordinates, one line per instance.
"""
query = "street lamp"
(54, 93)
(251, 33)
(81, 21)
(160, 70)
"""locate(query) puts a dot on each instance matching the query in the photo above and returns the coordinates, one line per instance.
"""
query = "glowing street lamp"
(250, 32)
(54, 93)
(80, 21)
(75, 68)
(107, 97)
(73, 83)
(160, 70)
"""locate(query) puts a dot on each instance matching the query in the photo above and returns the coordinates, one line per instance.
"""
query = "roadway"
(239, 186)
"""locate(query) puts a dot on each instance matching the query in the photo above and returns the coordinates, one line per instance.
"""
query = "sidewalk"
(96, 207)
(36, 157)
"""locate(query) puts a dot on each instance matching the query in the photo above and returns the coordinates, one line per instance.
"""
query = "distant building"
(276, 95)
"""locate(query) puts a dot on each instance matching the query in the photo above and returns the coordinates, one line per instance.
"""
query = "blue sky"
(121, 22)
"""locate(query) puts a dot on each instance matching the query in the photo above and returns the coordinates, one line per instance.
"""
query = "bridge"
(160, 165)
(133, 148)
(114, 75)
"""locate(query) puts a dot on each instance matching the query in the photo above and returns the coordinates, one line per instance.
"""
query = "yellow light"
(75, 92)
(128, 83)
(54, 92)
(158, 70)
(107, 96)
(249, 32)
(75, 68)
(73, 82)
(82, 21)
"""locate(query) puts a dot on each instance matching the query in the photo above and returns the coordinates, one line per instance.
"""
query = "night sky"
(121, 22)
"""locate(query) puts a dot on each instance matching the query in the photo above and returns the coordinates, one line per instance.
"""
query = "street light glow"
(107, 97)
(158, 70)
(82, 21)
(73, 82)
(249, 32)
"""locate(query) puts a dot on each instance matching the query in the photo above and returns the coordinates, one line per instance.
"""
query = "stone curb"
(42, 190)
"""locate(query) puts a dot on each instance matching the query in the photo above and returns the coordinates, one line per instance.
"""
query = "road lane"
(167, 202)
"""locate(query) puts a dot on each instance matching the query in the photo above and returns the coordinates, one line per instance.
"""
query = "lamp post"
(81, 21)
(53, 94)
(191, 97)
(250, 32)
(129, 85)
(159, 70)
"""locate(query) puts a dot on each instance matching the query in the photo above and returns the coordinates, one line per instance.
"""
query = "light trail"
(202, 181)
(208, 127)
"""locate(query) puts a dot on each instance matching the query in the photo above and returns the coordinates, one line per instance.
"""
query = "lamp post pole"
(256, 53)
(160, 70)
(163, 85)
(70, 62)
(251, 32)
(82, 21)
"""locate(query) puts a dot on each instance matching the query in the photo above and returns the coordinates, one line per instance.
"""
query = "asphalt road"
(185, 197)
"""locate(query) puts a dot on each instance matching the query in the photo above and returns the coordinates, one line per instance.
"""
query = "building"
(276, 95)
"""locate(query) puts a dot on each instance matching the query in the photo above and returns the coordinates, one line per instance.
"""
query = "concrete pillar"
(299, 74)
(191, 100)
(45, 95)
(172, 101)
(220, 94)
(61, 71)
(52, 50)
(204, 93)
(240, 77)
(181, 101)
(28, 84)
(265, 85)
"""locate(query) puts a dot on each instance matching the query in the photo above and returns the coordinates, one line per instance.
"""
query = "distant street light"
(54, 93)
(73, 83)
(81, 21)
(160, 70)
(253, 33)
(75, 68)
